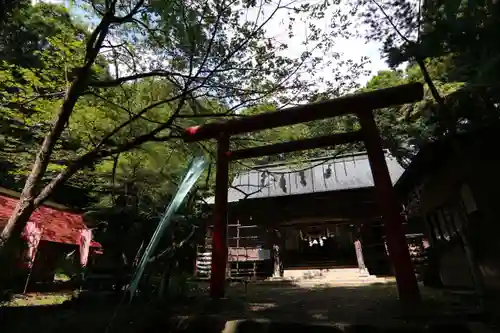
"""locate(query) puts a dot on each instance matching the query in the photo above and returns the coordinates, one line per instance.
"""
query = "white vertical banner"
(359, 256)
(32, 235)
(85, 239)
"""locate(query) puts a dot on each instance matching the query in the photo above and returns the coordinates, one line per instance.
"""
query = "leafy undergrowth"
(38, 299)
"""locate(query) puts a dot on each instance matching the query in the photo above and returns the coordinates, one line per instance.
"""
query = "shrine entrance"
(362, 105)
(319, 246)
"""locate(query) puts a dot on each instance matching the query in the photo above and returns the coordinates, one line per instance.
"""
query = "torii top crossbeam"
(368, 101)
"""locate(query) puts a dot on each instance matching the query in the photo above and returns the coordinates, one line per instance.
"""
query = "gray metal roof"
(319, 175)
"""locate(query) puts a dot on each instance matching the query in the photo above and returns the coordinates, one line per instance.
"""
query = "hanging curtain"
(85, 239)
(32, 235)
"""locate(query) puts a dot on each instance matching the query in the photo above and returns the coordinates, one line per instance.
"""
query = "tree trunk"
(165, 281)
(10, 236)
(428, 80)
(450, 123)
(26, 203)
(12, 248)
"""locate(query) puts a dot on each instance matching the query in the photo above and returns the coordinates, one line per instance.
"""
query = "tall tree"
(200, 52)
(35, 70)
(457, 35)
(398, 25)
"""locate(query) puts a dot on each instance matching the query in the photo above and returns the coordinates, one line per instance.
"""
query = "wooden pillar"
(277, 246)
(358, 247)
(219, 234)
(389, 207)
(360, 258)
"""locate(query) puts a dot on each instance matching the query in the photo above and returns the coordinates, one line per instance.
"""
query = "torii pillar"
(219, 233)
(390, 209)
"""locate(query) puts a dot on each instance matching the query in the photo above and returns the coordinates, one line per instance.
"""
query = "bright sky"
(356, 48)
(353, 48)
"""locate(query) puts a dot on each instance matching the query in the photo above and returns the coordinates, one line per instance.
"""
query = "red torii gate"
(362, 105)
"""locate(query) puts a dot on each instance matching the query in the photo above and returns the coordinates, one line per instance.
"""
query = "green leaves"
(452, 41)
(162, 66)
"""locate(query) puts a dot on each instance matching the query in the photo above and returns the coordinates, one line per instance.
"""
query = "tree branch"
(388, 18)
(128, 111)
(130, 15)
(420, 61)
(209, 115)
(96, 153)
(116, 82)
(139, 115)
(210, 43)
(113, 171)
(171, 250)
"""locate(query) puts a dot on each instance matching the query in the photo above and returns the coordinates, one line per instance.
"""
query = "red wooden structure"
(362, 105)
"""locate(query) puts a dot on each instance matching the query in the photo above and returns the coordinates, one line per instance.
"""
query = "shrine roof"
(58, 225)
(317, 175)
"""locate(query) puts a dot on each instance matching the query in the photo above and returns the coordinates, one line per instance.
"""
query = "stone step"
(370, 279)
(350, 273)
(324, 270)
(326, 284)
(335, 278)
(336, 283)
(332, 277)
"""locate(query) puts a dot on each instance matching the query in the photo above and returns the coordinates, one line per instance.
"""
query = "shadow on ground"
(369, 304)
(366, 305)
